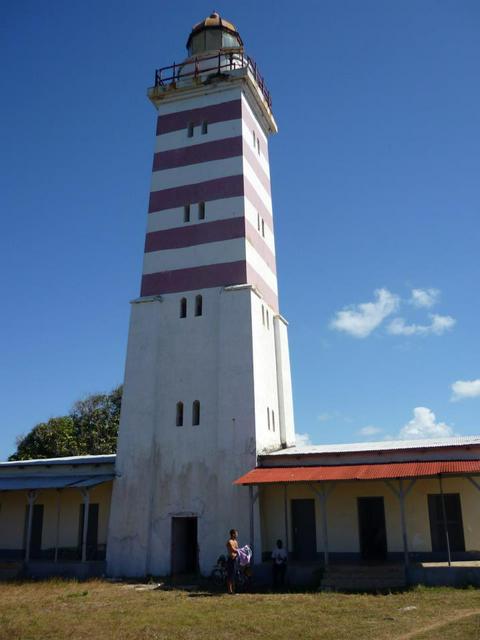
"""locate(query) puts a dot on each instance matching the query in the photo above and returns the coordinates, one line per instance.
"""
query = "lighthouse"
(207, 380)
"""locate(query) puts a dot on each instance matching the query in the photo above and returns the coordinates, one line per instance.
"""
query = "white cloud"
(424, 297)
(424, 425)
(369, 431)
(302, 440)
(438, 326)
(360, 320)
(465, 389)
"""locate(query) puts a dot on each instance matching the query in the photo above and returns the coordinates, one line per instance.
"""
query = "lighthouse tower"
(207, 380)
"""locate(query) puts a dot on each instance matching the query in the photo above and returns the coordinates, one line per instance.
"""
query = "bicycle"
(243, 575)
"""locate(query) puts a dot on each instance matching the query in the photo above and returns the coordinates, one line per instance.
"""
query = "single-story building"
(404, 504)
(54, 515)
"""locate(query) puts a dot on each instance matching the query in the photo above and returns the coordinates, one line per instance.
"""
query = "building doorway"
(184, 545)
(454, 522)
(92, 531)
(372, 530)
(36, 531)
(304, 530)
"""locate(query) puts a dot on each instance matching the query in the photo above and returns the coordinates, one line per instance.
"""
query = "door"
(184, 545)
(304, 529)
(92, 531)
(371, 523)
(36, 533)
(453, 513)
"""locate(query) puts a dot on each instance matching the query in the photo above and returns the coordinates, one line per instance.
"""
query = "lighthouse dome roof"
(228, 36)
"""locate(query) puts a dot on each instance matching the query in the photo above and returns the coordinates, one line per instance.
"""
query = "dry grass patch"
(95, 609)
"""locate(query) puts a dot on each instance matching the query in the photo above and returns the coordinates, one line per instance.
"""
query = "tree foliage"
(91, 428)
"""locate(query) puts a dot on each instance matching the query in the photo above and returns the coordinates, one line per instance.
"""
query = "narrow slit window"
(183, 308)
(273, 420)
(263, 228)
(258, 221)
(254, 139)
(263, 315)
(258, 145)
(268, 418)
(186, 213)
(190, 130)
(198, 305)
(204, 127)
(201, 211)
(179, 421)
(196, 413)
(268, 320)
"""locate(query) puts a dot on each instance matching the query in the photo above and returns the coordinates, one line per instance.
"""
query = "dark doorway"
(36, 532)
(453, 513)
(304, 530)
(92, 531)
(371, 524)
(184, 546)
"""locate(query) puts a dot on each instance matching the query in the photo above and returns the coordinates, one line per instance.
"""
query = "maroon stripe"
(257, 202)
(261, 247)
(269, 296)
(214, 275)
(195, 234)
(254, 162)
(217, 150)
(231, 110)
(200, 192)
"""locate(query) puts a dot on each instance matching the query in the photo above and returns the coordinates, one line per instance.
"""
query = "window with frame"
(190, 129)
(204, 127)
(186, 213)
(201, 210)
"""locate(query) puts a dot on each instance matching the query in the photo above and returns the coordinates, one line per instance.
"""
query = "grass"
(96, 609)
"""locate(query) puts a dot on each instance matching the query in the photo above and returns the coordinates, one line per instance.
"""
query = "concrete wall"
(343, 516)
(167, 471)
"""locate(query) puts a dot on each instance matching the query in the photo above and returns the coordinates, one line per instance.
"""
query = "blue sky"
(375, 178)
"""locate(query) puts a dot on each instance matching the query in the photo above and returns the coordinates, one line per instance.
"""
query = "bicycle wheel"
(218, 577)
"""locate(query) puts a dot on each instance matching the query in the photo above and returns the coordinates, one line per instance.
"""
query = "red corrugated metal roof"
(262, 475)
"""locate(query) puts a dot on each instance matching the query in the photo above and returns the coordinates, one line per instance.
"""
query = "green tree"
(91, 428)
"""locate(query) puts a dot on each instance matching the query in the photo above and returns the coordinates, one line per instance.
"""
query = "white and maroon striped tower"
(207, 381)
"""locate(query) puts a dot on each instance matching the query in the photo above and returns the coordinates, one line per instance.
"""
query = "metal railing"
(225, 60)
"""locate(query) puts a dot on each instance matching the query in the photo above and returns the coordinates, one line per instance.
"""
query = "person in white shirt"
(279, 559)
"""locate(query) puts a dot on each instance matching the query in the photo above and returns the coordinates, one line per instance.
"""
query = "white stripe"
(198, 256)
(252, 177)
(194, 173)
(221, 209)
(197, 102)
(248, 140)
(259, 132)
(259, 265)
(216, 131)
(252, 216)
